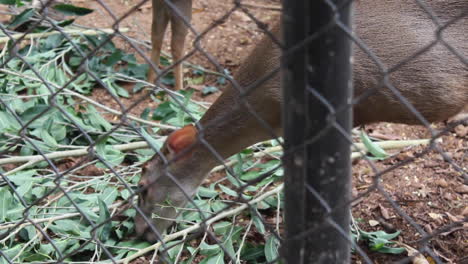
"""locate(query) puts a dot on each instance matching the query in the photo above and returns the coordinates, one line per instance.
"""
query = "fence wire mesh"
(101, 163)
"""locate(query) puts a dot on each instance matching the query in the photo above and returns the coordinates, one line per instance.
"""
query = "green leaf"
(67, 226)
(6, 202)
(11, 252)
(217, 259)
(222, 228)
(154, 144)
(65, 23)
(390, 250)
(174, 248)
(198, 80)
(97, 120)
(217, 206)
(125, 194)
(207, 193)
(373, 148)
(193, 253)
(104, 231)
(58, 131)
(8, 123)
(21, 177)
(209, 90)
(35, 258)
(209, 250)
(113, 156)
(22, 18)
(38, 191)
(379, 241)
(251, 252)
(250, 175)
(233, 193)
(109, 195)
(71, 10)
(7, 2)
(25, 189)
(33, 112)
(228, 190)
(138, 87)
(236, 233)
(258, 222)
(115, 57)
(271, 249)
(163, 111)
(229, 247)
(48, 139)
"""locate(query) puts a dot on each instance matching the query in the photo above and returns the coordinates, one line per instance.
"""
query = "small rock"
(431, 164)
(448, 196)
(460, 155)
(461, 130)
(442, 183)
(244, 41)
(462, 189)
(428, 228)
(405, 156)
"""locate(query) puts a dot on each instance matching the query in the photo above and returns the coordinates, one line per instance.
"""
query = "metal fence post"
(316, 83)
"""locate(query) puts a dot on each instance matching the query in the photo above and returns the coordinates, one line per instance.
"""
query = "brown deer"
(162, 14)
(435, 83)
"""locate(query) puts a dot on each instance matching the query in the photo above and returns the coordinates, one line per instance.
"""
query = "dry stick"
(55, 218)
(30, 160)
(108, 109)
(73, 32)
(259, 6)
(391, 144)
(143, 144)
(208, 222)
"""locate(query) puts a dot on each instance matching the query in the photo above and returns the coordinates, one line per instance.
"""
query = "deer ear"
(182, 138)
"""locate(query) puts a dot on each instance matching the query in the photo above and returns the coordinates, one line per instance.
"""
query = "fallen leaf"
(438, 217)
(418, 258)
(442, 183)
(373, 223)
(453, 218)
(384, 212)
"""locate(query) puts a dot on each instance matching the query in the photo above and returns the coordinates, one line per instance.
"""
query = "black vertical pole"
(317, 184)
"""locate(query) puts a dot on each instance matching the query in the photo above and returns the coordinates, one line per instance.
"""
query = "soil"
(429, 190)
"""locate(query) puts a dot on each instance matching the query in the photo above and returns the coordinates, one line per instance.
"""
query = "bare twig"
(72, 32)
(30, 160)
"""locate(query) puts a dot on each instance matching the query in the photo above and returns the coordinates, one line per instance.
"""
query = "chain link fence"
(101, 164)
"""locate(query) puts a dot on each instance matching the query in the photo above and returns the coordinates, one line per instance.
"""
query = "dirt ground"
(429, 190)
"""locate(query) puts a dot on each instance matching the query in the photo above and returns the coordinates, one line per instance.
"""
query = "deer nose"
(143, 182)
(140, 225)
